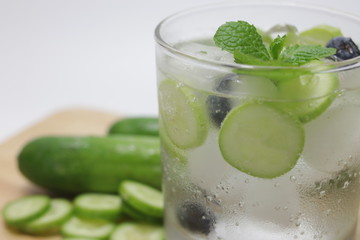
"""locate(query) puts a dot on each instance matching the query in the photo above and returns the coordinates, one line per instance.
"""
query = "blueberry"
(194, 217)
(345, 48)
(218, 107)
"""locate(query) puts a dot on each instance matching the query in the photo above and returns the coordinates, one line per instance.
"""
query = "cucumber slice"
(182, 114)
(260, 140)
(50, 222)
(171, 150)
(138, 231)
(25, 209)
(319, 35)
(98, 205)
(139, 216)
(307, 96)
(143, 198)
(87, 228)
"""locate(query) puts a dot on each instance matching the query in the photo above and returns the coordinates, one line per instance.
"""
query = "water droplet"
(277, 208)
(297, 224)
(322, 193)
(346, 184)
(247, 180)
(237, 224)
(295, 236)
(302, 233)
(277, 185)
(292, 178)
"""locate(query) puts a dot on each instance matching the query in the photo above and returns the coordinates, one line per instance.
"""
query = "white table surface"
(98, 54)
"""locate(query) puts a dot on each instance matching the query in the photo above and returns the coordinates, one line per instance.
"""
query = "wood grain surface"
(13, 184)
(69, 122)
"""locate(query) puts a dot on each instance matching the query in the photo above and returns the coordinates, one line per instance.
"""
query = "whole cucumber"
(91, 164)
(136, 126)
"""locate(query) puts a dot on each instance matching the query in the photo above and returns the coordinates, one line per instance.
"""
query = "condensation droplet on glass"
(277, 185)
(237, 224)
(302, 233)
(322, 193)
(346, 184)
(247, 180)
(292, 178)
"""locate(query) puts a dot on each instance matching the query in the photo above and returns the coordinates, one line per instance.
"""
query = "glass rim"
(325, 67)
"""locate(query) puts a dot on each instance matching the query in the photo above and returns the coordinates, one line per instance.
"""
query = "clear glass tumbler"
(257, 152)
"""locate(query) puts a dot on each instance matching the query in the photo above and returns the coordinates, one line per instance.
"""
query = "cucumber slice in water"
(182, 114)
(25, 209)
(319, 35)
(260, 140)
(138, 231)
(87, 228)
(50, 222)
(143, 198)
(307, 96)
(98, 205)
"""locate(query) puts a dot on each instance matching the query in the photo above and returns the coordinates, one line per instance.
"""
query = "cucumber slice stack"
(260, 140)
(140, 199)
(50, 222)
(25, 209)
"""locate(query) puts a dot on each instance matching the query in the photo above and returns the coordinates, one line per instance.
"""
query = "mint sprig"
(243, 40)
(242, 37)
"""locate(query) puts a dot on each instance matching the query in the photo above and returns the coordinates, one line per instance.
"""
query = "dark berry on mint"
(194, 217)
(218, 107)
(345, 48)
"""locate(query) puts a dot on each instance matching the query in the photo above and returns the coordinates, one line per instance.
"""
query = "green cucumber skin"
(91, 164)
(148, 126)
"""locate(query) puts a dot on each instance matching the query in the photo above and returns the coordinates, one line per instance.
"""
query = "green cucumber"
(136, 126)
(98, 205)
(260, 140)
(142, 197)
(307, 96)
(50, 222)
(87, 228)
(182, 115)
(25, 209)
(138, 231)
(91, 164)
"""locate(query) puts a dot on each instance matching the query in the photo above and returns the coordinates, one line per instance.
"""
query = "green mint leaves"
(243, 40)
(243, 37)
(299, 55)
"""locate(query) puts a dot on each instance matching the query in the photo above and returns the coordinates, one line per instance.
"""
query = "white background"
(97, 54)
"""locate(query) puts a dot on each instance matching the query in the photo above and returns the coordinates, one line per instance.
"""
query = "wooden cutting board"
(69, 122)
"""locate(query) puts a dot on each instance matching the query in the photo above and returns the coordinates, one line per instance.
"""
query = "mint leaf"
(301, 54)
(277, 45)
(242, 37)
(243, 58)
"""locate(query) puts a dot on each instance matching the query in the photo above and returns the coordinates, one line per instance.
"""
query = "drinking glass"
(257, 152)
